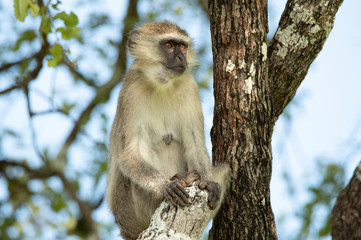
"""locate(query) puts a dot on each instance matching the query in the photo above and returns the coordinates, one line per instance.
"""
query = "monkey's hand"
(214, 192)
(175, 191)
(213, 188)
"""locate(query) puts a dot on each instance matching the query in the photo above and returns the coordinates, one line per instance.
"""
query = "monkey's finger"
(174, 198)
(212, 205)
(171, 200)
(212, 202)
(180, 191)
(202, 185)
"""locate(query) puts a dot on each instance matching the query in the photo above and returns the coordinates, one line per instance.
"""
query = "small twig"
(31, 125)
(73, 70)
(39, 56)
(47, 172)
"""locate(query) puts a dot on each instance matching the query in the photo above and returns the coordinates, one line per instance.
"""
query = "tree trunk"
(242, 125)
(253, 83)
(346, 214)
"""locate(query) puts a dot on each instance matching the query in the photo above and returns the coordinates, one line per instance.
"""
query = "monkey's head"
(161, 44)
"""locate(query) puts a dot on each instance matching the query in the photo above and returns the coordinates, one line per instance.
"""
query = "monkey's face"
(174, 55)
(161, 50)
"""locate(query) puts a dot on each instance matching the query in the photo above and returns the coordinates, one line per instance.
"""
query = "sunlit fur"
(153, 103)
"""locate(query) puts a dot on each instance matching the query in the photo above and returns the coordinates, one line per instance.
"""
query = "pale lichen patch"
(252, 70)
(241, 64)
(248, 87)
(230, 66)
(264, 52)
(249, 81)
(328, 27)
(315, 29)
(289, 38)
(302, 14)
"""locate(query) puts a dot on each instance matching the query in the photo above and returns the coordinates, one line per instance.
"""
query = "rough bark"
(188, 223)
(253, 83)
(346, 214)
(242, 129)
(301, 34)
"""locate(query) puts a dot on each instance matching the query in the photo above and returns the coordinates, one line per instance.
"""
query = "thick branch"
(346, 221)
(242, 130)
(301, 34)
(188, 223)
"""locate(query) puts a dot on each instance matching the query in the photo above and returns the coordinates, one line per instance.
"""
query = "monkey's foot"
(214, 192)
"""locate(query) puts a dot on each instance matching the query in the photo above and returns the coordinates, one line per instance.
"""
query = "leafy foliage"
(61, 71)
(323, 196)
(21, 8)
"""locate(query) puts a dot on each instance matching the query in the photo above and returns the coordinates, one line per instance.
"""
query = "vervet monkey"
(157, 137)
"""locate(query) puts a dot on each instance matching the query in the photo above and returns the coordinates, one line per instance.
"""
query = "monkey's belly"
(166, 156)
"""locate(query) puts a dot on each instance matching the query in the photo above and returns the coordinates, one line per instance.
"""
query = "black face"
(175, 53)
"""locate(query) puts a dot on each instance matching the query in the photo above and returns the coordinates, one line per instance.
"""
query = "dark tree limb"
(346, 214)
(301, 34)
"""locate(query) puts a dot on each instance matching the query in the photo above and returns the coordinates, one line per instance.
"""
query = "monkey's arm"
(194, 141)
(213, 179)
(133, 166)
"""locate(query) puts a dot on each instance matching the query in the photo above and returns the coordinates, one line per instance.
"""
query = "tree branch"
(189, 222)
(345, 220)
(73, 70)
(88, 225)
(103, 92)
(33, 173)
(6, 66)
(39, 56)
(301, 34)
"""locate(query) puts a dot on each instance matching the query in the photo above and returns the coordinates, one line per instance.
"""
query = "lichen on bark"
(176, 223)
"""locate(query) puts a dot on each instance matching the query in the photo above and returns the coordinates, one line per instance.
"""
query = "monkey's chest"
(160, 138)
(161, 125)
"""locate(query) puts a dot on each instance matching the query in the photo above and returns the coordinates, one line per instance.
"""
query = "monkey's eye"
(168, 45)
(182, 47)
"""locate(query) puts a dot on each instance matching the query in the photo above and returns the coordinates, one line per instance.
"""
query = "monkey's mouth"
(178, 69)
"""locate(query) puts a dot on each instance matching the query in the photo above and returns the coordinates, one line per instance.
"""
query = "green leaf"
(56, 52)
(28, 35)
(34, 9)
(21, 9)
(67, 107)
(69, 33)
(55, 6)
(45, 25)
(70, 20)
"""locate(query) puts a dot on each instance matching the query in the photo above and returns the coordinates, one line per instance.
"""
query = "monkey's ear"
(132, 38)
